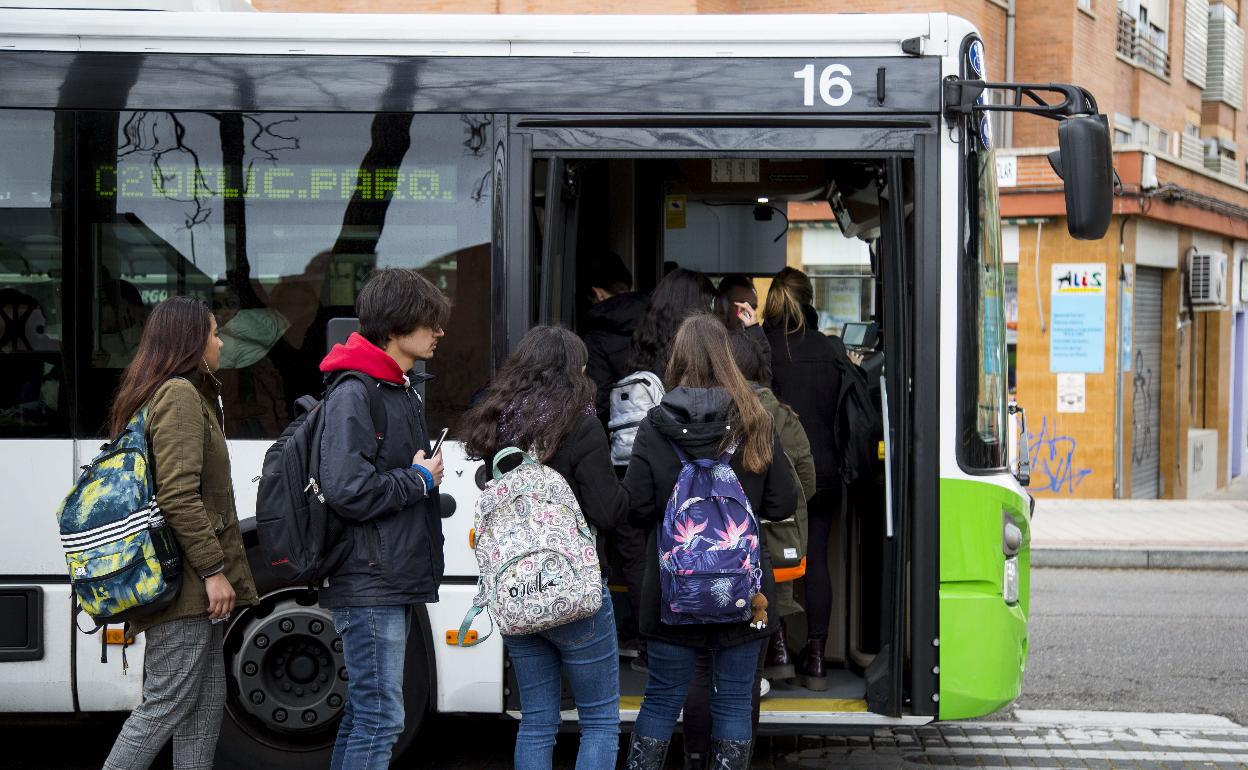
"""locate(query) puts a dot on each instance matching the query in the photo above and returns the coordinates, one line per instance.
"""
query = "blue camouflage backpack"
(709, 557)
(122, 556)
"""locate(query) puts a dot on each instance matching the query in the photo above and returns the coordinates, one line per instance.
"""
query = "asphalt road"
(1110, 640)
(1147, 640)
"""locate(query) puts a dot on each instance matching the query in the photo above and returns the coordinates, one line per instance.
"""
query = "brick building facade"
(1167, 419)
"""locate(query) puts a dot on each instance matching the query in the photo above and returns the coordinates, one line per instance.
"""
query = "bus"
(266, 163)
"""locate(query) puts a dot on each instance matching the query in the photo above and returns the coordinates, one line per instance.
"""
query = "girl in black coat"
(806, 374)
(543, 403)
(709, 408)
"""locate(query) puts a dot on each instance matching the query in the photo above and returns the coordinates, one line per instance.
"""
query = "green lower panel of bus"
(983, 640)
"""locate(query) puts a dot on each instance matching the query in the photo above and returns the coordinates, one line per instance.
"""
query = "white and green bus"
(267, 162)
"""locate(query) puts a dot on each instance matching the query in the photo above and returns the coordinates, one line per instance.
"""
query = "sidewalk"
(1211, 533)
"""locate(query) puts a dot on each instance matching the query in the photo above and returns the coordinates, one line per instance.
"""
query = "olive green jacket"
(797, 450)
(191, 467)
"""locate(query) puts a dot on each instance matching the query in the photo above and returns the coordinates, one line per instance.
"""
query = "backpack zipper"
(316, 489)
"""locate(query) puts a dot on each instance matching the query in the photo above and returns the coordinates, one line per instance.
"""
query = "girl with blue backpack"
(542, 402)
(700, 478)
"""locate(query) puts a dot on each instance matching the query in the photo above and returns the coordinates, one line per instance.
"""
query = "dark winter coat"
(697, 419)
(396, 527)
(806, 375)
(609, 327)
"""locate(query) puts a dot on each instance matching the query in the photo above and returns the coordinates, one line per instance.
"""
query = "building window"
(1085, 4)
(1142, 34)
(840, 273)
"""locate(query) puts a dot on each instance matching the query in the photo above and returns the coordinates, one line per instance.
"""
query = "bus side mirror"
(1018, 428)
(1085, 162)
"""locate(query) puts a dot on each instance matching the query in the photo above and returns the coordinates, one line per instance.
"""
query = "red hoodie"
(360, 355)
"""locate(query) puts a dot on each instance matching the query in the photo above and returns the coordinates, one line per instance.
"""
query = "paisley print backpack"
(537, 555)
(709, 558)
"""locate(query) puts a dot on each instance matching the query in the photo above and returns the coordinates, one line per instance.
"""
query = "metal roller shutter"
(1145, 392)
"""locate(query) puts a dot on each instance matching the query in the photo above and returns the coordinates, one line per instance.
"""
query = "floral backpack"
(537, 556)
(709, 556)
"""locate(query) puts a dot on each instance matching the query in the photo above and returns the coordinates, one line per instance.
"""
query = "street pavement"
(1210, 533)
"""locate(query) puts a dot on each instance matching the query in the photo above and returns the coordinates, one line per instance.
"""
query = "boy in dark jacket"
(609, 325)
(385, 487)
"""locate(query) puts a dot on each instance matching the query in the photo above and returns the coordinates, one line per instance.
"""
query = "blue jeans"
(374, 643)
(587, 651)
(732, 689)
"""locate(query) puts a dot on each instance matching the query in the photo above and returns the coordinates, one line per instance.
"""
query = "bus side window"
(276, 220)
(33, 394)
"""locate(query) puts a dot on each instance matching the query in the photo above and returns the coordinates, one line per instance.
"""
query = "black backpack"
(302, 537)
(858, 427)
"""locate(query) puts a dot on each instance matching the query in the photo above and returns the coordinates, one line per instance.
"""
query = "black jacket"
(696, 418)
(584, 460)
(806, 375)
(396, 553)
(609, 327)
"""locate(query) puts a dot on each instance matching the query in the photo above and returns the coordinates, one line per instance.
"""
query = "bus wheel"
(287, 685)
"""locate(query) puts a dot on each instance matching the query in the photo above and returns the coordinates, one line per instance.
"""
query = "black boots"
(730, 755)
(812, 672)
(645, 753)
(778, 666)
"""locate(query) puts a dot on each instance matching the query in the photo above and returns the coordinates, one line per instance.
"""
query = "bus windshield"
(984, 362)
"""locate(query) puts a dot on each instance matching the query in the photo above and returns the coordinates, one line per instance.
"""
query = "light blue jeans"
(588, 653)
(374, 643)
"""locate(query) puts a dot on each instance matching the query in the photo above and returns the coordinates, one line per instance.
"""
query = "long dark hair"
(173, 343)
(701, 358)
(680, 293)
(536, 399)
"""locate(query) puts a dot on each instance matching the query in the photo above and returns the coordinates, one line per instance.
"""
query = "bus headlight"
(1009, 583)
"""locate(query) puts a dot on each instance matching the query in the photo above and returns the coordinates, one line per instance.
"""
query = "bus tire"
(281, 628)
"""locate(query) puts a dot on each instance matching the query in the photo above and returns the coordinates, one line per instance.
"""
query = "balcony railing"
(1140, 48)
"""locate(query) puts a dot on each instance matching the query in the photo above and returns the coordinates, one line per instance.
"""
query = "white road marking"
(1121, 719)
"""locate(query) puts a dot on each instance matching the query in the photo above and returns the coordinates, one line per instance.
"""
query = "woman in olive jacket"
(709, 409)
(183, 665)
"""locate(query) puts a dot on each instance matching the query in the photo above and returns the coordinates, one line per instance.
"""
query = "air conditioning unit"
(1207, 279)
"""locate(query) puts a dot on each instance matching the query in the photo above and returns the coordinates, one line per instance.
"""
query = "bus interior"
(738, 216)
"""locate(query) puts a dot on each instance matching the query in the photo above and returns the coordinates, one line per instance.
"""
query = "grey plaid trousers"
(183, 698)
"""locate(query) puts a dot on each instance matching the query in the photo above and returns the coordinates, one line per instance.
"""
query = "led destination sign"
(430, 184)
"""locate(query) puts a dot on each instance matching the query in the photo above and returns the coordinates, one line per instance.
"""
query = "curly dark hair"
(679, 295)
(536, 399)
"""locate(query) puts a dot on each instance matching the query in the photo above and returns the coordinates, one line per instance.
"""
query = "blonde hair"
(790, 291)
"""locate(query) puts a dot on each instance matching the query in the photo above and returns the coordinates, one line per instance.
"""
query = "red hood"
(360, 355)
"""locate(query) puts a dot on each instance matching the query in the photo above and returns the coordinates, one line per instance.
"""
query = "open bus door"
(560, 214)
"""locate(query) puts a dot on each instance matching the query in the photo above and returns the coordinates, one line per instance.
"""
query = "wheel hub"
(290, 668)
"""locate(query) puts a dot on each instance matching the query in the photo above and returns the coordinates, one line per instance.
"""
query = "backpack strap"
(376, 408)
(508, 452)
(478, 604)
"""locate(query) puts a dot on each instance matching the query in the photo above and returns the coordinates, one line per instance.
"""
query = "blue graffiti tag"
(1053, 461)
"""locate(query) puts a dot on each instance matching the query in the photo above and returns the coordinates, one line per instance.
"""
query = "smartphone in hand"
(437, 445)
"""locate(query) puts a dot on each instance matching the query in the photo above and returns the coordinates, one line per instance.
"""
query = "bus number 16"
(834, 89)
